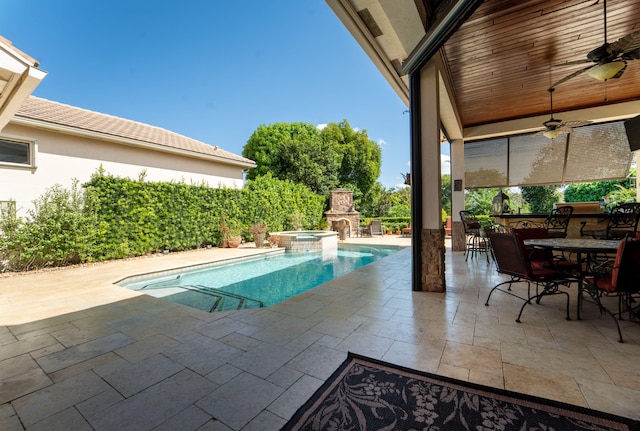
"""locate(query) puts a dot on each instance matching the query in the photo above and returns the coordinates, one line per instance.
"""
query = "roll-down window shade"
(589, 153)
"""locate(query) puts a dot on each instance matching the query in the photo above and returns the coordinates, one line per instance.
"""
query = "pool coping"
(212, 263)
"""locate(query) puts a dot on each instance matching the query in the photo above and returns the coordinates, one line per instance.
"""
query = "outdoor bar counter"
(588, 212)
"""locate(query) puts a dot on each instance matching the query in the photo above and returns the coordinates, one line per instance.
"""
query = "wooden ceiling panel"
(507, 54)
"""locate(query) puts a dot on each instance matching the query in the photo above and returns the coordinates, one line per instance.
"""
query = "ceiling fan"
(609, 60)
(554, 126)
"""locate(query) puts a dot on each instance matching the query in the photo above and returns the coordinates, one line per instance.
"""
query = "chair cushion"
(602, 282)
(616, 265)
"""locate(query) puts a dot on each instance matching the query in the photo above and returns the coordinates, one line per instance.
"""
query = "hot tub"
(307, 240)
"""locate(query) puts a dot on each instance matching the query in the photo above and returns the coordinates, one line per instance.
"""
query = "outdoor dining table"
(579, 246)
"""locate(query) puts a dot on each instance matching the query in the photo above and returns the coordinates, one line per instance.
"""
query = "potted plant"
(258, 230)
(235, 237)
(231, 232)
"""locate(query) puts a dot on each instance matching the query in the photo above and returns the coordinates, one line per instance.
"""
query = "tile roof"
(55, 113)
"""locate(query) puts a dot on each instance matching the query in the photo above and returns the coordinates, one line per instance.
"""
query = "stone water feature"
(341, 216)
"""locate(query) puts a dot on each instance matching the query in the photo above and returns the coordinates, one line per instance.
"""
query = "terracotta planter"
(258, 238)
(235, 242)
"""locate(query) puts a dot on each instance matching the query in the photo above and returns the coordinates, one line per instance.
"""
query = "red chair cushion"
(603, 282)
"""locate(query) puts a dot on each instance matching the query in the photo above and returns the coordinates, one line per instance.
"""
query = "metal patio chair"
(512, 259)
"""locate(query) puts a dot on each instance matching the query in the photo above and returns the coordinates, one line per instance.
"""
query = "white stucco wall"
(61, 157)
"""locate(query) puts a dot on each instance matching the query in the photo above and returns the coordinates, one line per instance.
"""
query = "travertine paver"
(77, 352)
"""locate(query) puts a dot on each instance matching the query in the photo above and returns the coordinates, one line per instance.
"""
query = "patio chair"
(406, 231)
(622, 221)
(558, 221)
(373, 228)
(544, 257)
(512, 260)
(623, 281)
(475, 239)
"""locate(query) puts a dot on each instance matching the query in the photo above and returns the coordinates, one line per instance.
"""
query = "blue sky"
(209, 69)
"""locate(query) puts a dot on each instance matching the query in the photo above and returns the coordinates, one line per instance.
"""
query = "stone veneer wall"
(341, 208)
(432, 256)
(309, 243)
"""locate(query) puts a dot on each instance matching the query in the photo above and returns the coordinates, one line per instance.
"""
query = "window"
(17, 153)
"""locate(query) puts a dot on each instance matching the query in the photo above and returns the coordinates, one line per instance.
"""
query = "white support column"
(430, 142)
(457, 194)
(432, 233)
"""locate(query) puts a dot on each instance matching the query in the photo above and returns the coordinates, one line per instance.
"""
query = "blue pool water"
(259, 282)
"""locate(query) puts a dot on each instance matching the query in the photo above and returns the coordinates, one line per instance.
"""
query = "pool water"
(259, 282)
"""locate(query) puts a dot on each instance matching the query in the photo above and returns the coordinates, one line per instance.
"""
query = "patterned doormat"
(367, 394)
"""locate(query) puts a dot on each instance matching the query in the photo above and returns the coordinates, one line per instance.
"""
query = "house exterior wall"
(61, 157)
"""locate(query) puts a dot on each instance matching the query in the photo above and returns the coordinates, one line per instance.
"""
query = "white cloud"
(321, 126)
(382, 142)
(445, 164)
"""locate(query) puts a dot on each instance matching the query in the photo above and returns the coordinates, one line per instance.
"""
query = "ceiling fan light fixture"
(551, 133)
(606, 71)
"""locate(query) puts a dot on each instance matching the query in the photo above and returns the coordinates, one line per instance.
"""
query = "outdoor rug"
(367, 394)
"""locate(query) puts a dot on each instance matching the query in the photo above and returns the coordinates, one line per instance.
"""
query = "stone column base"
(432, 255)
(458, 239)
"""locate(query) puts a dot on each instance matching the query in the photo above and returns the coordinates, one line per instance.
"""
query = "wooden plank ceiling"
(506, 55)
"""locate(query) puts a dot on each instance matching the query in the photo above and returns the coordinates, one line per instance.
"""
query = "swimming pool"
(256, 282)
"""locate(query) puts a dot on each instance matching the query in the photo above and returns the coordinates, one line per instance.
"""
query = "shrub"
(58, 231)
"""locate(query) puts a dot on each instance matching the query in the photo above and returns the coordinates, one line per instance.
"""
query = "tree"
(361, 158)
(480, 201)
(313, 164)
(445, 185)
(592, 191)
(266, 145)
(337, 156)
(541, 198)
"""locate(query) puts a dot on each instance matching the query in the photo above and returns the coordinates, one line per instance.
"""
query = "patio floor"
(78, 353)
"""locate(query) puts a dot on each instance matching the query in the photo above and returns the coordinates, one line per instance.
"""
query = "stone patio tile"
(263, 360)
(203, 354)
(240, 341)
(135, 378)
(318, 361)
(43, 331)
(68, 419)
(223, 374)
(57, 397)
(240, 400)
(73, 336)
(155, 405)
(99, 404)
(6, 336)
(365, 344)
(76, 354)
(285, 377)
(15, 366)
(265, 421)
(136, 324)
(220, 328)
(101, 365)
(289, 402)
(191, 418)
(26, 382)
(9, 420)
(214, 425)
(146, 347)
(18, 348)
(175, 327)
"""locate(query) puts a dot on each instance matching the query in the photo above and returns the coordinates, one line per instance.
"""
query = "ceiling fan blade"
(628, 43)
(572, 63)
(575, 123)
(572, 75)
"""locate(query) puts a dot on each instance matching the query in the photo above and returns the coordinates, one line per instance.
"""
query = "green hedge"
(116, 217)
(144, 216)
